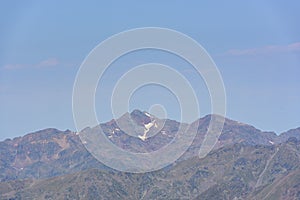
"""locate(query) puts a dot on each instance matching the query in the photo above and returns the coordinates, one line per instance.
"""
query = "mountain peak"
(141, 118)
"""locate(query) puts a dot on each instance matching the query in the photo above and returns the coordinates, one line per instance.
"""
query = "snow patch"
(148, 126)
(147, 114)
(146, 130)
(142, 137)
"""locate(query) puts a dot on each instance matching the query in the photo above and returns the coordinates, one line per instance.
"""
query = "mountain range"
(246, 163)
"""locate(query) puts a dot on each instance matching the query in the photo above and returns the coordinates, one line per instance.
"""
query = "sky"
(255, 45)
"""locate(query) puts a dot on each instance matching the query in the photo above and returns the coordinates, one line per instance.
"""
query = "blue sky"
(256, 46)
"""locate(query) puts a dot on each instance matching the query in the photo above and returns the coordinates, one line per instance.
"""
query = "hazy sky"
(256, 46)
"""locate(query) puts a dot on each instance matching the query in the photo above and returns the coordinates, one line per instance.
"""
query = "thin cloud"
(13, 66)
(271, 49)
(51, 62)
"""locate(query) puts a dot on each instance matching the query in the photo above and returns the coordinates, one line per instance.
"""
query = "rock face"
(43, 154)
(246, 163)
(237, 171)
(291, 133)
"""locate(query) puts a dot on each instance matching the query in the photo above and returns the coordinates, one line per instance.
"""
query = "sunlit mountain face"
(246, 163)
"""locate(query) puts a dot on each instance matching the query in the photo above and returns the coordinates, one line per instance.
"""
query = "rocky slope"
(246, 163)
(238, 171)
